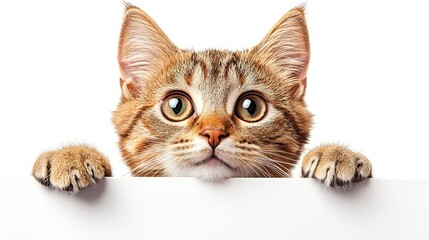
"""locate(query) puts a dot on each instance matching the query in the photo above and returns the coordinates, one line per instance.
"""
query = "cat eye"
(177, 107)
(251, 108)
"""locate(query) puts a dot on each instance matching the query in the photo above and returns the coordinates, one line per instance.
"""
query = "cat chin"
(210, 171)
(213, 178)
(211, 174)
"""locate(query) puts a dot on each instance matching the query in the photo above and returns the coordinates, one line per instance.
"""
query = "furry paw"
(335, 164)
(71, 168)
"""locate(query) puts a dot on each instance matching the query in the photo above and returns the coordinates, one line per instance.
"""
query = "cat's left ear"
(286, 50)
(144, 50)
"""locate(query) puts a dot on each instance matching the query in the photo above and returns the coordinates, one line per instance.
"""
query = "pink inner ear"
(143, 50)
(285, 50)
(299, 89)
(130, 88)
(298, 62)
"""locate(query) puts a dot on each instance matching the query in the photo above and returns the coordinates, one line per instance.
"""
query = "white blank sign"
(186, 208)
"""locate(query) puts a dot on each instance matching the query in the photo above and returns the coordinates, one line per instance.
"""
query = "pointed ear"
(143, 50)
(286, 50)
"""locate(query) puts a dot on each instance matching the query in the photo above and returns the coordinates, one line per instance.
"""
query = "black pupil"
(250, 106)
(176, 104)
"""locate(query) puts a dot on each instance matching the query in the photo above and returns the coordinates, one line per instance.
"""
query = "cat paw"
(336, 165)
(71, 168)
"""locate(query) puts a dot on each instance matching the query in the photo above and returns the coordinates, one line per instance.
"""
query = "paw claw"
(71, 168)
(69, 188)
(334, 164)
(341, 183)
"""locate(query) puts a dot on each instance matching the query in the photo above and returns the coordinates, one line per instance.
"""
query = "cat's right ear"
(144, 50)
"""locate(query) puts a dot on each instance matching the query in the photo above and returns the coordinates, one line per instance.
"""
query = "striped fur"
(151, 67)
(213, 142)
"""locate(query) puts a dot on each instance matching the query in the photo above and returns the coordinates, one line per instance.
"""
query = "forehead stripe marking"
(136, 117)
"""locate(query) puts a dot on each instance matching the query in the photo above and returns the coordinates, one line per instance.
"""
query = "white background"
(367, 83)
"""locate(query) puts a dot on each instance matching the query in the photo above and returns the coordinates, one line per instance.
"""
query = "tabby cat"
(211, 114)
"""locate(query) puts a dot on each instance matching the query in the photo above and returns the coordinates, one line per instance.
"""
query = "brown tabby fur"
(152, 67)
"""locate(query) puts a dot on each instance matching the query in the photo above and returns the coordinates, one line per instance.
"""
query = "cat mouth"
(213, 161)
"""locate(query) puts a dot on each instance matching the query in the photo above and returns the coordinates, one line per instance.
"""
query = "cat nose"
(214, 136)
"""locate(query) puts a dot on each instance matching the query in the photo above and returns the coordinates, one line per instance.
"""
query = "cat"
(211, 114)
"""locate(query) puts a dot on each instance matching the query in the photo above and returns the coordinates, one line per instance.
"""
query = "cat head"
(212, 114)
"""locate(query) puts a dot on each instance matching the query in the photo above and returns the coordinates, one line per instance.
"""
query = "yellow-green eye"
(177, 107)
(251, 108)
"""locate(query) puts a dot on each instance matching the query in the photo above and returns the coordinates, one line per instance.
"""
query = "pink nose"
(214, 136)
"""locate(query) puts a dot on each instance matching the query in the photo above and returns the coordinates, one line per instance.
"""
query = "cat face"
(212, 114)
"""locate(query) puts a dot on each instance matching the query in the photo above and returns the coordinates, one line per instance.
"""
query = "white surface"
(185, 208)
(367, 85)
